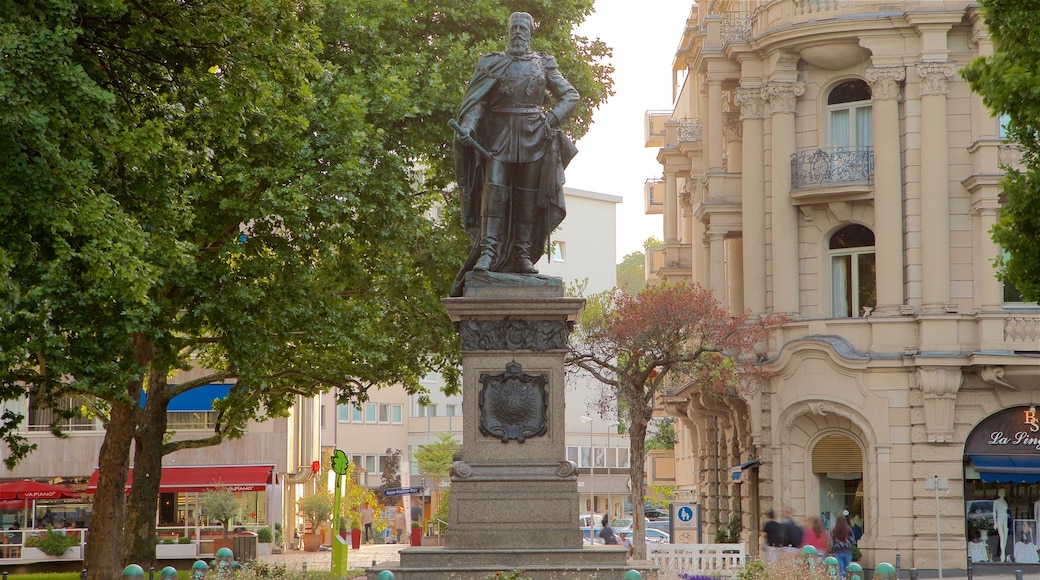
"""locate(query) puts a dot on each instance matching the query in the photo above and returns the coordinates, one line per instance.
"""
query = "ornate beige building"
(826, 160)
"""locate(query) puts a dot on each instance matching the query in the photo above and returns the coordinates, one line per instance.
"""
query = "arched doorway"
(837, 463)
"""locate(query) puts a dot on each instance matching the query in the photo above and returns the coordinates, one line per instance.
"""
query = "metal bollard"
(305, 570)
(5, 574)
(884, 571)
(1018, 575)
(898, 560)
(633, 575)
(82, 575)
(151, 573)
(385, 575)
(832, 566)
(913, 573)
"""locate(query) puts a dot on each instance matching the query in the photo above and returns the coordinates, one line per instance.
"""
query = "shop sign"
(1013, 431)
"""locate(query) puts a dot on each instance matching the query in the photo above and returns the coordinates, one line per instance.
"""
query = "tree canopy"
(668, 336)
(1009, 82)
(250, 188)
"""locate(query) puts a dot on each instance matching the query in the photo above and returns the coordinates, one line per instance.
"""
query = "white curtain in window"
(840, 286)
(864, 127)
(840, 128)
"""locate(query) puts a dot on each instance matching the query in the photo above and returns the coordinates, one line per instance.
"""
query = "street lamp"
(592, 476)
(606, 459)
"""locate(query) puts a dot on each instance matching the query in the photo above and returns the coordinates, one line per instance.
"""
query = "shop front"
(1002, 487)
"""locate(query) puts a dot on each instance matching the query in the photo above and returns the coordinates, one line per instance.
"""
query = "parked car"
(656, 514)
(662, 525)
(653, 536)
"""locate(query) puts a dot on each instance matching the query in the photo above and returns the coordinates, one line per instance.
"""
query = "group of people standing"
(786, 536)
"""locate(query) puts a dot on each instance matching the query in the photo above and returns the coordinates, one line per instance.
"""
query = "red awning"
(203, 477)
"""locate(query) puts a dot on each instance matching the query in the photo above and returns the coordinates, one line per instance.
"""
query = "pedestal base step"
(434, 563)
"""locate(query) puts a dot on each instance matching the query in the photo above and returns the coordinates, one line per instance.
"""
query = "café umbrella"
(28, 490)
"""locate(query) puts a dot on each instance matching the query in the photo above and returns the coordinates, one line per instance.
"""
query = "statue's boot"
(494, 211)
(525, 210)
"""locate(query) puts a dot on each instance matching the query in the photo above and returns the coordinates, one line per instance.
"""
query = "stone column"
(714, 143)
(935, 194)
(671, 208)
(991, 289)
(752, 198)
(735, 275)
(717, 265)
(783, 98)
(888, 188)
(732, 129)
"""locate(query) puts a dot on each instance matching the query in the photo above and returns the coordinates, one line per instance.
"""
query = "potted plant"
(416, 533)
(264, 538)
(316, 509)
(221, 506)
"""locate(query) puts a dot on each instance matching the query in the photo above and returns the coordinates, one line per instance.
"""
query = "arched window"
(853, 272)
(849, 114)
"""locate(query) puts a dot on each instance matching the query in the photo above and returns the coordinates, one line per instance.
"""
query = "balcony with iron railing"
(832, 167)
(653, 194)
(654, 128)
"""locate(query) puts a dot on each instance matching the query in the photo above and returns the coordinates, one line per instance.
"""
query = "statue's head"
(521, 25)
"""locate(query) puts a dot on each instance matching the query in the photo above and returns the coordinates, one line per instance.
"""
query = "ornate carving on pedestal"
(566, 469)
(939, 387)
(513, 405)
(461, 469)
(752, 103)
(513, 334)
(783, 95)
(884, 82)
(933, 77)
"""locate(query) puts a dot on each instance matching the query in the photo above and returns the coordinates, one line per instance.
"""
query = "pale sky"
(611, 157)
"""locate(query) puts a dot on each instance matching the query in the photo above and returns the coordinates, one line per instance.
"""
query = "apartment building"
(825, 159)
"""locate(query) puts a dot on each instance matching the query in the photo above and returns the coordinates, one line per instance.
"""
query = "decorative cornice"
(751, 103)
(884, 82)
(783, 95)
(933, 77)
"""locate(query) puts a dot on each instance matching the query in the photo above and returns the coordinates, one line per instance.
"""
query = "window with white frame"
(371, 410)
(558, 251)
(849, 113)
(397, 413)
(853, 272)
(343, 413)
(70, 416)
(384, 412)
(450, 410)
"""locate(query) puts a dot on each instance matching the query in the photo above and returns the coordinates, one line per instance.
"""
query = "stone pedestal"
(514, 496)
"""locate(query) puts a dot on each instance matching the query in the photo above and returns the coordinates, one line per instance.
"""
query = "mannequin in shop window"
(1000, 522)
(1025, 548)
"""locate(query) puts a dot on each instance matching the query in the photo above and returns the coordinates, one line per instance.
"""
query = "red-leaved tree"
(665, 337)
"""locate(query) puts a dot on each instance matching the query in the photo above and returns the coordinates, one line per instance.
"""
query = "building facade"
(825, 160)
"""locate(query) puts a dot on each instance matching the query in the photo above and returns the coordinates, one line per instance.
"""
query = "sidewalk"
(322, 560)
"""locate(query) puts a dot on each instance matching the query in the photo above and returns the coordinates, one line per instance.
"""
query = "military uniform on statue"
(510, 155)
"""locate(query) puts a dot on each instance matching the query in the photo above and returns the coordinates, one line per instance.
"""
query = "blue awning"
(1007, 468)
(197, 399)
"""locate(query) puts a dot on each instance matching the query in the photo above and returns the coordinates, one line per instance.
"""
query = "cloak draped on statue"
(556, 152)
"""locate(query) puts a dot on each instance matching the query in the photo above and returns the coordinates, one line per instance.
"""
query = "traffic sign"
(402, 491)
(685, 514)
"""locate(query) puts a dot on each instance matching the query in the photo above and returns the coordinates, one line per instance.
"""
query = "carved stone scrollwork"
(939, 387)
(933, 77)
(514, 334)
(752, 103)
(566, 469)
(884, 82)
(514, 405)
(783, 95)
(461, 469)
(732, 127)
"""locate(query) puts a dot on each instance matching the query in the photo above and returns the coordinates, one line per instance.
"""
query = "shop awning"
(1007, 468)
(203, 477)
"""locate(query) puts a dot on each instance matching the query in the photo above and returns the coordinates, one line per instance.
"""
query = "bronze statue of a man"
(510, 155)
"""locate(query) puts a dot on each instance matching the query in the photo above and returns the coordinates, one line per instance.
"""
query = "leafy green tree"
(631, 271)
(667, 336)
(661, 433)
(244, 187)
(1009, 82)
(435, 458)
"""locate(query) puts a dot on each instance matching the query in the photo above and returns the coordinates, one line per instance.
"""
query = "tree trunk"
(139, 544)
(639, 416)
(103, 559)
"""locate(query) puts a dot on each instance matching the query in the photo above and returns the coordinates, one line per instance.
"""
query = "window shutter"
(837, 453)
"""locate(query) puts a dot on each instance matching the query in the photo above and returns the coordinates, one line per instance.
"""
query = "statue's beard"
(518, 45)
